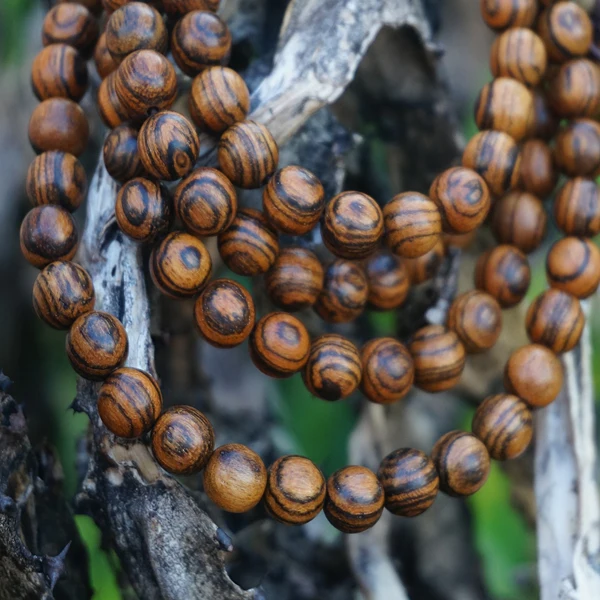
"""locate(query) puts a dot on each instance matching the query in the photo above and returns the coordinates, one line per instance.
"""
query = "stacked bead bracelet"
(541, 74)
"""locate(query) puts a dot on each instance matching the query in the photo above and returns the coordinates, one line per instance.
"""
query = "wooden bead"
(538, 175)
(388, 370)
(462, 198)
(476, 317)
(96, 345)
(333, 370)
(413, 224)
(534, 374)
(94, 6)
(344, 294)
(121, 156)
(182, 440)
(180, 265)
(248, 154)
(235, 478)
(143, 210)
(295, 280)
(574, 90)
(439, 358)
(62, 292)
(573, 265)
(218, 99)
(48, 233)
(354, 500)
(387, 280)
(59, 71)
(71, 24)
(295, 491)
(200, 39)
(105, 63)
(555, 319)
(249, 246)
(129, 402)
(577, 208)
(410, 482)
(58, 124)
(505, 14)
(177, 8)
(504, 273)
(293, 200)
(519, 218)
(56, 178)
(206, 202)
(425, 268)
(577, 149)
(224, 313)
(279, 345)
(544, 123)
(168, 145)
(111, 110)
(495, 156)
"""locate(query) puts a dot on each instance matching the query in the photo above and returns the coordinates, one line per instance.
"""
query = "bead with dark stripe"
(577, 208)
(333, 370)
(387, 280)
(71, 24)
(94, 6)
(545, 123)
(555, 319)
(182, 440)
(410, 482)
(354, 500)
(56, 178)
(96, 345)
(105, 63)
(425, 267)
(504, 14)
(538, 174)
(574, 89)
(177, 8)
(111, 110)
(129, 402)
(180, 265)
(577, 149)
(121, 156)
(62, 292)
(295, 491)
(248, 154)
(344, 294)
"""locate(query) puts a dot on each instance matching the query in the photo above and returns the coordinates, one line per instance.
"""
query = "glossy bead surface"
(577, 208)
(59, 71)
(177, 8)
(538, 174)
(577, 149)
(71, 24)
(387, 280)
(574, 90)
(105, 63)
(111, 110)
(544, 122)
(120, 153)
(425, 267)
(504, 14)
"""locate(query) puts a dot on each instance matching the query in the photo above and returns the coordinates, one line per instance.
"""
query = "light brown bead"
(504, 14)
(577, 208)
(577, 149)
(574, 90)
(388, 281)
(111, 110)
(425, 267)
(538, 174)
(177, 8)
(71, 24)
(544, 122)
(59, 71)
(94, 6)
(120, 153)
(105, 63)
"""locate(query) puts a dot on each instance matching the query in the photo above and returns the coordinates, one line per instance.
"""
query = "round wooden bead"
(354, 500)
(182, 440)
(180, 265)
(476, 317)
(544, 122)
(388, 370)
(574, 90)
(59, 71)
(71, 24)
(56, 178)
(534, 374)
(105, 63)
(58, 124)
(425, 267)
(413, 224)
(387, 280)
(143, 210)
(439, 358)
(96, 345)
(519, 218)
(224, 313)
(295, 280)
(410, 482)
(178, 8)
(48, 233)
(504, 14)
(235, 478)
(344, 294)
(94, 6)
(555, 319)
(129, 402)
(573, 265)
(293, 200)
(62, 292)
(462, 198)
(538, 175)
(462, 462)
(111, 110)
(248, 154)
(577, 208)
(295, 491)
(495, 156)
(249, 246)
(504, 273)
(199, 40)
(206, 202)
(218, 99)
(577, 149)
(333, 370)
(121, 156)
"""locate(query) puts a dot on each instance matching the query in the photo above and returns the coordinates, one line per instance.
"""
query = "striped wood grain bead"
(180, 265)
(354, 500)
(409, 480)
(333, 370)
(577, 149)
(59, 71)
(538, 174)
(462, 462)
(111, 110)
(577, 208)
(295, 491)
(94, 6)
(425, 268)
(574, 90)
(178, 8)
(573, 266)
(129, 402)
(96, 345)
(62, 292)
(505, 14)
(105, 63)
(544, 122)
(120, 153)
(387, 280)
(71, 24)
